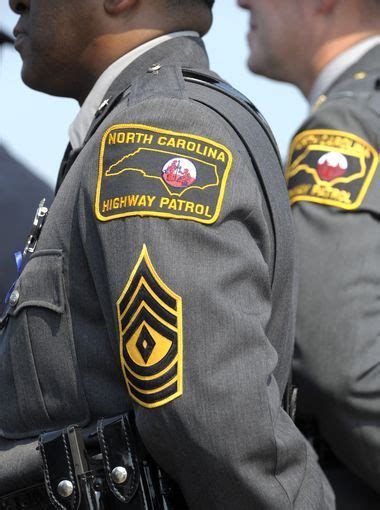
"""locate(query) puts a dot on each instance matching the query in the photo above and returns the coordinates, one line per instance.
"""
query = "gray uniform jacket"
(334, 186)
(21, 192)
(150, 288)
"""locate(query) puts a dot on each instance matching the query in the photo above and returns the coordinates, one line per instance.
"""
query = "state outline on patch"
(143, 172)
(308, 169)
(222, 174)
(366, 174)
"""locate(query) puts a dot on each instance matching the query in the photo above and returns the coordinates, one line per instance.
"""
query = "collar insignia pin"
(104, 104)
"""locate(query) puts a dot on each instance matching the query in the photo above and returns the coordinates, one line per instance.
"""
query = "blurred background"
(34, 126)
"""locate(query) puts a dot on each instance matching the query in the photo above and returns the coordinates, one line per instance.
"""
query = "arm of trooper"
(338, 329)
(190, 301)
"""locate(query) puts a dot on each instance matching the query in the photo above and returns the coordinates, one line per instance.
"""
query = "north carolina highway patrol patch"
(331, 168)
(148, 171)
(150, 326)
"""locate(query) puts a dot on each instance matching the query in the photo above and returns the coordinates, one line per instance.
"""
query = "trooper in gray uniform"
(162, 280)
(334, 188)
(21, 191)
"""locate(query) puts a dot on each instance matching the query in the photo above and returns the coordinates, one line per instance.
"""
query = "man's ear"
(115, 7)
(325, 6)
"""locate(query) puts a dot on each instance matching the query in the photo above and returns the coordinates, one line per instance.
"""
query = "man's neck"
(325, 54)
(340, 65)
(81, 124)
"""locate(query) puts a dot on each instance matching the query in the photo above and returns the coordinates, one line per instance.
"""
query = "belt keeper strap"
(117, 441)
(59, 470)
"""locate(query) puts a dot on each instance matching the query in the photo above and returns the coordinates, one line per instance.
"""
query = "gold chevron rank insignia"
(150, 326)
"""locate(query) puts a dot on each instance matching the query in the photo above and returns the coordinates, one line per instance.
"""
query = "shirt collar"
(339, 65)
(82, 122)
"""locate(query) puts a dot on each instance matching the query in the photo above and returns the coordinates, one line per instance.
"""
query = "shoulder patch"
(149, 171)
(330, 167)
(150, 328)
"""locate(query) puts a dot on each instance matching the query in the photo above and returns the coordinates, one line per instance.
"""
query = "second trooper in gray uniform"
(331, 51)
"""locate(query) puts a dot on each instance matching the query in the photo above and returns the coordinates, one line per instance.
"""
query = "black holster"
(109, 469)
(310, 429)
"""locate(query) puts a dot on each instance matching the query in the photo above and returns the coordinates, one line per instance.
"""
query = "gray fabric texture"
(19, 459)
(226, 440)
(337, 357)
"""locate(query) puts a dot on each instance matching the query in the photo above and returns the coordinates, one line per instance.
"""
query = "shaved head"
(180, 3)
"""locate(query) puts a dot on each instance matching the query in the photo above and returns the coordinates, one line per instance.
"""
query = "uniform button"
(14, 297)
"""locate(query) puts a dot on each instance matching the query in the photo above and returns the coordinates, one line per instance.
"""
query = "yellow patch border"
(100, 217)
(290, 172)
(144, 256)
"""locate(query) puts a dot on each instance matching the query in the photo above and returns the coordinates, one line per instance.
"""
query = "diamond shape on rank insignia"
(330, 167)
(150, 328)
(145, 344)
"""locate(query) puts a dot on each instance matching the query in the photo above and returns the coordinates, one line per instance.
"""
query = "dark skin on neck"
(132, 23)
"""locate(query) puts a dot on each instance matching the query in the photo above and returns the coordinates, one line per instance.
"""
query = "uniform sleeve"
(175, 218)
(334, 186)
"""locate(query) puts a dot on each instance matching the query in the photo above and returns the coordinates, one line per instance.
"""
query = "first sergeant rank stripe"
(150, 327)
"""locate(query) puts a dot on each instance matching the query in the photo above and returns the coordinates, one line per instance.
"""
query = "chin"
(251, 64)
(37, 80)
(30, 77)
(255, 65)
(262, 68)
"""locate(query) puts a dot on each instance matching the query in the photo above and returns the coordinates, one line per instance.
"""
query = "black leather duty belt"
(33, 498)
(108, 470)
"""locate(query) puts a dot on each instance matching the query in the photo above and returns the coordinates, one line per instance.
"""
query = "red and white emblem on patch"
(332, 165)
(179, 173)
